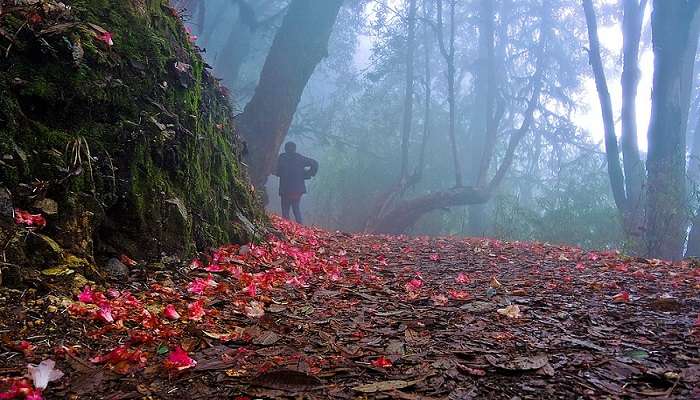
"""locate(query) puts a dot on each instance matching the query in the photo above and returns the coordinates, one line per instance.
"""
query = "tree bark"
(449, 56)
(408, 97)
(632, 162)
(666, 205)
(299, 45)
(617, 179)
(693, 248)
(482, 130)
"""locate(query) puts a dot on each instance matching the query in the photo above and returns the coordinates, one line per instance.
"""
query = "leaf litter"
(333, 315)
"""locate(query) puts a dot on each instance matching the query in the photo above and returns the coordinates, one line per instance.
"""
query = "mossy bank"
(112, 127)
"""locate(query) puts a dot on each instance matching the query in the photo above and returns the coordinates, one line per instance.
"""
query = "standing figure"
(293, 169)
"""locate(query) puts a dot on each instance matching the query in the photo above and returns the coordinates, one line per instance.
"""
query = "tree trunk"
(299, 45)
(449, 56)
(408, 97)
(632, 162)
(693, 249)
(666, 205)
(406, 213)
(482, 131)
(617, 179)
(427, 48)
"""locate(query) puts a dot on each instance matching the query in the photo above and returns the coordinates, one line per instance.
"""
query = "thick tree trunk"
(299, 45)
(407, 213)
(408, 97)
(666, 205)
(693, 248)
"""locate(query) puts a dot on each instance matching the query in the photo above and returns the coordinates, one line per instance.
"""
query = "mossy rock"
(134, 141)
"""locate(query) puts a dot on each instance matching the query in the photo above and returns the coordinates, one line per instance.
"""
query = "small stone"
(115, 269)
(47, 206)
(6, 209)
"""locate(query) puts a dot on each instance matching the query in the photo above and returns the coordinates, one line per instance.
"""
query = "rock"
(115, 269)
(6, 208)
(47, 206)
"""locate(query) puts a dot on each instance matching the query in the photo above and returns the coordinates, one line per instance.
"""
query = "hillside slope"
(115, 133)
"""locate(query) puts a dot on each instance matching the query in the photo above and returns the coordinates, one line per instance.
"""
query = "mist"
(401, 148)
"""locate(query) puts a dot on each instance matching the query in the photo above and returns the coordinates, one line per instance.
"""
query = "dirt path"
(330, 315)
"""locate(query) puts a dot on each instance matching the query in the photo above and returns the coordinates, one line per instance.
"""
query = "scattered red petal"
(196, 310)
(463, 278)
(107, 38)
(622, 297)
(26, 218)
(179, 360)
(170, 313)
(382, 362)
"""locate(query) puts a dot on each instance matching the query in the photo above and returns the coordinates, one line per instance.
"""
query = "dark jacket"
(293, 169)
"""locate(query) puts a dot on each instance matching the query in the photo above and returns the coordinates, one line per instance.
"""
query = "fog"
(515, 149)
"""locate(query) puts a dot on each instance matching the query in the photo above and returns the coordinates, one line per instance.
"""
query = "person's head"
(290, 147)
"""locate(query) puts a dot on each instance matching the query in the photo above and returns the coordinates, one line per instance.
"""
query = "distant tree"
(299, 45)
(627, 182)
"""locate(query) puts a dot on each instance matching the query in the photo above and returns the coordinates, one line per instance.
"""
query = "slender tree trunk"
(632, 162)
(427, 62)
(407, 212)
(617, 179)
(299, 45)
(666, 205)
(482, 120)
(449, 55)
(408, 97)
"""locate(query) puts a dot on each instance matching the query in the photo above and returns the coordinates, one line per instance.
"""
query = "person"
(293, 169)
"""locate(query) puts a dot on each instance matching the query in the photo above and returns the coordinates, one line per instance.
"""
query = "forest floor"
(315, 314)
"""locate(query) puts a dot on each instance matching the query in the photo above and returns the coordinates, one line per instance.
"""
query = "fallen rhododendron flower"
(459, 294)
(440, 300)
(414, 285)
(251, 290)
(199, 285)
(196, 264)
(44, 373)
(25, 347)
(382, 362)
(196, 310)
(170, 313)
(256, 309)
(512, 311)
(107, 38)
(26, 218)
(20, 389)
(87, 295)
(179, 360)
(462, 278)
(622, 297)
(121, 355)
(297, 282)
(105, 312)
(434, 257)
(126, 260)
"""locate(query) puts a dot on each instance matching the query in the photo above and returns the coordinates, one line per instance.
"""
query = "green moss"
(143, 147)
